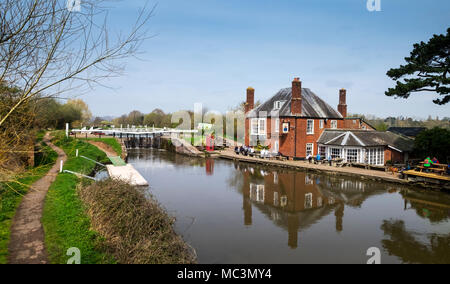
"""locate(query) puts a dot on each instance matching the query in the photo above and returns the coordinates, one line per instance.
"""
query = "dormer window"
(278, 104)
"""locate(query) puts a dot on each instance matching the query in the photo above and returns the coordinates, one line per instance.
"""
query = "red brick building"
(292, 120)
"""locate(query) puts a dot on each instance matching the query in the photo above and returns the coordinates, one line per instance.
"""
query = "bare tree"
(47, 49)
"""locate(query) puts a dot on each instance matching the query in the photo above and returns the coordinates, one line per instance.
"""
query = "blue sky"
(210, 51)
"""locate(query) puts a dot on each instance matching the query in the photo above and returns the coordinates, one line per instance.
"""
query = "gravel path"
(27, 234)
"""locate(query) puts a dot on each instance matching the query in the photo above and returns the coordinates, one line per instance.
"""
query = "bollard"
(76, 155)
(61, 166)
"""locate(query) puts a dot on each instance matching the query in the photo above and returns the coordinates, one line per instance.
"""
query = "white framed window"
(375, 156)
(262, 126)
(310, 149)
(278, 104)
(334, 124)
(275, 178)
(335, 153)
(319, 201)
(310, 126)
(277, 125)
(254, 126)
(258, 126)
(321, 123)
(285, 127)
(352, 155)
(308, 200)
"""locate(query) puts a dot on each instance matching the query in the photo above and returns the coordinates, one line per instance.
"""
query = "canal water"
(234, 212)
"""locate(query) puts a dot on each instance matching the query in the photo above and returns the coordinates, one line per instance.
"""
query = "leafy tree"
(433, 143)
(427, 69)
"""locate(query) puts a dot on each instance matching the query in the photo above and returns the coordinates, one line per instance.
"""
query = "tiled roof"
(361, 138)
(312, 105)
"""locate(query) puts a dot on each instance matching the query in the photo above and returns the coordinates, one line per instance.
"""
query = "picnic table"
(440, 169)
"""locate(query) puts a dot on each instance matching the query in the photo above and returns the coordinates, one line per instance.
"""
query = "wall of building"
(393, 155)
(297, 132)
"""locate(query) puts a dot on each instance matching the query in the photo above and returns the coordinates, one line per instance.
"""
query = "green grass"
(11, 194)
(111, 142)
(64, 219)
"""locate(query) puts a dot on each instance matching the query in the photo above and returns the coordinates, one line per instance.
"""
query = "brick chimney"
(296, 104)
(250, 103)
(342, 106)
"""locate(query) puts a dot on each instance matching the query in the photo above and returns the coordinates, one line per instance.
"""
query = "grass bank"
(135, 227)
(11, 193)
(112, 142)
(64, 219)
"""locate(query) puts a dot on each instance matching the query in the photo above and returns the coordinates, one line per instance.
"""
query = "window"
(277, 125)
(262, 126)
(321, 123)
(364, 127)
(254, 126)
(285, 127)
(275, 198)
(322, 152)
(309, 149)
(277, 105)
(334, 124)
(310, 126)
(352, 155)
(375, 156)
(319, 202)
(308, 200)
(275, 178)
(335, 153)
(258, 126)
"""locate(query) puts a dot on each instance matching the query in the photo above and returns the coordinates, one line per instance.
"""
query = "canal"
(242, 213)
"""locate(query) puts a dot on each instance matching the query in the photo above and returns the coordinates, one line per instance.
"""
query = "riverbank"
(65, 221)
(134, 227)
(11, 193)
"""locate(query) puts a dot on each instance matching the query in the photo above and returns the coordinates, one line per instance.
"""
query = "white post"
(61, 166)
(67, 130)
(77, 153)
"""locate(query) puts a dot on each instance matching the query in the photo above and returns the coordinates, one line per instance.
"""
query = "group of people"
(318, 159)
(430, 162)
(249, 151)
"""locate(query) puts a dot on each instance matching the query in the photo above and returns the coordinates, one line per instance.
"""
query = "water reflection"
(234, 212)
(404, 244)
(297, 200)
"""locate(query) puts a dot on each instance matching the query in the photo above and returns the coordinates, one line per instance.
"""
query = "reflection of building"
(297, 200)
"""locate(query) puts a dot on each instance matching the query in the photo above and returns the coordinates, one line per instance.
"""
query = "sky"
(210, 51)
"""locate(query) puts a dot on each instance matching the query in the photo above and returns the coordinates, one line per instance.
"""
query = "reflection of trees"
(433, 206)
(404, 245)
